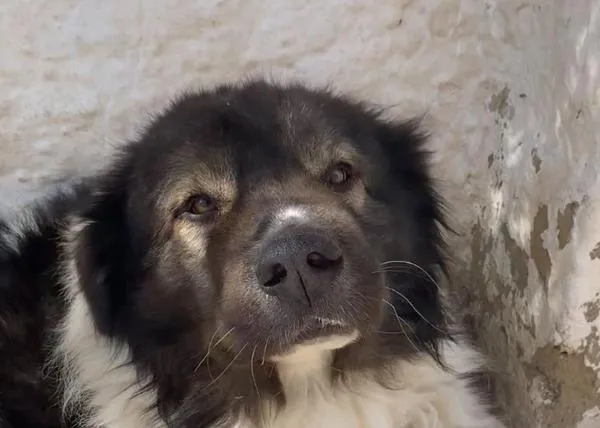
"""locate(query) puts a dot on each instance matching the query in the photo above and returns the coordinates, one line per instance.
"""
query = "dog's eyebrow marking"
(325, 152)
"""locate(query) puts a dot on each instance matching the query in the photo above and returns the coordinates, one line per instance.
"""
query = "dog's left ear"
(105, 256)
(404, 145)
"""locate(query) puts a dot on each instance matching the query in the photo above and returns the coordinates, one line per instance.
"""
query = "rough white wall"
(512, 92)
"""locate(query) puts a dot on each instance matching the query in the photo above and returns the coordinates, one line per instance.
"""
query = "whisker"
(228, 366)
(400, 266)
(398, 317)
(401, 270)
(209, 346)
(265, 351)
(406, 262)
(400, 321)
(252, 371)
(207, 351)
(415, 309)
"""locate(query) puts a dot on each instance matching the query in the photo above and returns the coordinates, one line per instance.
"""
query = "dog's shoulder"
(30, 306)
(30, 239)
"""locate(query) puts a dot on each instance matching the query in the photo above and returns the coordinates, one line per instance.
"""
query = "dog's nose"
(300, 264)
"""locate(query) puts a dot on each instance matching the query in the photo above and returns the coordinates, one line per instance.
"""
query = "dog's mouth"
(320, 327)
(320, 334)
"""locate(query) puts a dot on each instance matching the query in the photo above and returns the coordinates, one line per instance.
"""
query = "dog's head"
(258, 217)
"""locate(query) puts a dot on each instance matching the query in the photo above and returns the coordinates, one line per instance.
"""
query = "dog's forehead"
(277, 158)
(279, 145)
(247, 137)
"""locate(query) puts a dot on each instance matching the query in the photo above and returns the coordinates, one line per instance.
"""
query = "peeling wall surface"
(511, 92)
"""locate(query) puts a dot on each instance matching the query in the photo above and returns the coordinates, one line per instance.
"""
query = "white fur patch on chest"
(424, 396)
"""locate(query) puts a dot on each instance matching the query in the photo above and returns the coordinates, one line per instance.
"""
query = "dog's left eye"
(200, 205)
(340, 175)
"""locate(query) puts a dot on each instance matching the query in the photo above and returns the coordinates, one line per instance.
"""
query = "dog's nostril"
(319, 261)
(278, 274)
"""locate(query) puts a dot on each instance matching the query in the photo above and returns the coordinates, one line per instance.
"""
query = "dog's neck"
(309, 364)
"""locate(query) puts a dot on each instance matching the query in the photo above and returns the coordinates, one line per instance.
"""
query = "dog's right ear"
(105, 256)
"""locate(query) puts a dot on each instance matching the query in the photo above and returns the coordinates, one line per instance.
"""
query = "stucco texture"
(511, 94)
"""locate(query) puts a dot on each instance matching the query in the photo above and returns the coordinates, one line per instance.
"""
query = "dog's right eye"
(340, 176)
(200, 205)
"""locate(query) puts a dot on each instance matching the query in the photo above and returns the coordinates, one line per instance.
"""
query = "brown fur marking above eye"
(218, 183)
(317, 157)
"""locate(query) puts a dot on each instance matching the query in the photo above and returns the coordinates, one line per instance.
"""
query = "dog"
(264, 255)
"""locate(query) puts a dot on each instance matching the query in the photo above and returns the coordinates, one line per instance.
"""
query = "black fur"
(30, 307)
(144, 287)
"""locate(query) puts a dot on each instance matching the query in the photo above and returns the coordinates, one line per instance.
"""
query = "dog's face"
(259, 217)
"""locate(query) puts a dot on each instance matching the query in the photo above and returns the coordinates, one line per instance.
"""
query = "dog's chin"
(318, 332)
(318, 328)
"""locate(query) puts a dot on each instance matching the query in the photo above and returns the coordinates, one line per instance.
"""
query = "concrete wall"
(511, 89)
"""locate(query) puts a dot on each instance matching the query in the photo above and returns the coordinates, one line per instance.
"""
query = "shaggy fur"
(146, 296)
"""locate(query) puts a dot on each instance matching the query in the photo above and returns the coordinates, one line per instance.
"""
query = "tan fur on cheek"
(237, 284)
(357, 196)
(192, 237)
